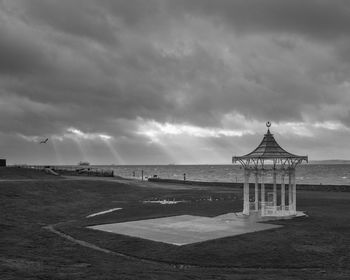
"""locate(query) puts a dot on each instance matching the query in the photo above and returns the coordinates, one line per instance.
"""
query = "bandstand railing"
(268, 209)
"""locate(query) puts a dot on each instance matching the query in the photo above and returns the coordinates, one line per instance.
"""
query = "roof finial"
(268, 124)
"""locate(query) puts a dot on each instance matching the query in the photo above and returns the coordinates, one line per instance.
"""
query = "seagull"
(44, 141)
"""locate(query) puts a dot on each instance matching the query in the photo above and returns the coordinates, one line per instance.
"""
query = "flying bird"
(44, 141)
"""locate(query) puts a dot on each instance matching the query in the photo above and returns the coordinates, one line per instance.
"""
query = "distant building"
(2, 162)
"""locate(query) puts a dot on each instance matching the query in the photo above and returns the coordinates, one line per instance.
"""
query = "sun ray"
(116, 156)
(58, 157)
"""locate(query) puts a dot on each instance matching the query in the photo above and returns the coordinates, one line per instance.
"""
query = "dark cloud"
(19, 53)
(107, 67)
(316, 18)
(84, 19)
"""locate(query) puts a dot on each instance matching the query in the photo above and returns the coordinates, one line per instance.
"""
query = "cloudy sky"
(172, 81)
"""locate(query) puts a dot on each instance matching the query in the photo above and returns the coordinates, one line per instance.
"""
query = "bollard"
(142, 174)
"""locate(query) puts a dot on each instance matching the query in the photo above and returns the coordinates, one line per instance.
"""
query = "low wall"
(306, 187)
(73, 170)
(199, 183)
(86, 172)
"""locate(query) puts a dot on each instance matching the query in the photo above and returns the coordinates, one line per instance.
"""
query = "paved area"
(186, 229)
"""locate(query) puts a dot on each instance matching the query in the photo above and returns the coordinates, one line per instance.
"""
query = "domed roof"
(269, 149)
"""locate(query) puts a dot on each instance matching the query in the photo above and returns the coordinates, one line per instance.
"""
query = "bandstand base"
(258, 215)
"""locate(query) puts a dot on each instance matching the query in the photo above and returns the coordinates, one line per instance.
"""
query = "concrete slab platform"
(186, 229)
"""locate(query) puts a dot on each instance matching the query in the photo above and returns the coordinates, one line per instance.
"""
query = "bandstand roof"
(269, 150)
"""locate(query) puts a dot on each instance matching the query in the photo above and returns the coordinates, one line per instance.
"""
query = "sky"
(172, 81)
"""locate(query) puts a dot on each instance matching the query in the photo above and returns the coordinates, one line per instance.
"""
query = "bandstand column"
(274, 188)
(256, 197)
(246, 192)
(283, 192)
(290, 196)
(294, 191)
(262, 193)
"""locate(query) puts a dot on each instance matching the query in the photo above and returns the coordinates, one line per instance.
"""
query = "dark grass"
(28, 251)
(319, 245)
(320, 240)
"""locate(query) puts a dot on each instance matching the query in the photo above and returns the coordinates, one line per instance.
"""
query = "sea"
(332, 174)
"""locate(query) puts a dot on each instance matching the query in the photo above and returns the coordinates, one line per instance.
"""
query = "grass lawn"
(317, 247)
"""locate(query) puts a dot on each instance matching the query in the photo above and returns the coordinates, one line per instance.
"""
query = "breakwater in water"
(269, 186)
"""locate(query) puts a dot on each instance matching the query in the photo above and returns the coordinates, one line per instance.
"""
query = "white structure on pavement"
(268, 158)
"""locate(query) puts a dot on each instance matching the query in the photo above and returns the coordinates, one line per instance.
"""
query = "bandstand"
(270, 159)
